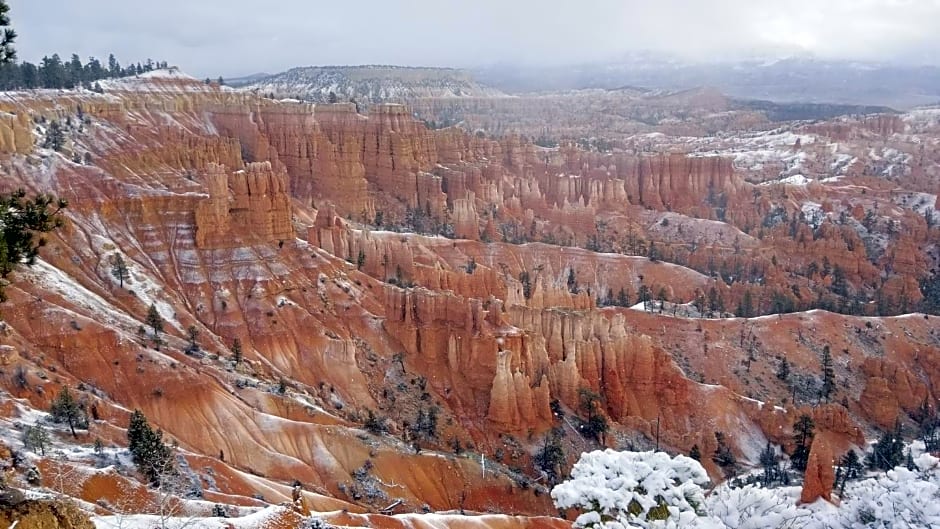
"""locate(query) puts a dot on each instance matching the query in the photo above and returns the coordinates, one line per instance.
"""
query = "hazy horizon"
(235, 37)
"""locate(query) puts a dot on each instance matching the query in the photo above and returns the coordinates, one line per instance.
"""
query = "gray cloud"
(229, 37)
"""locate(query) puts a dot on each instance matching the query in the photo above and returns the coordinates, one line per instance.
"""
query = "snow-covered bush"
(753, 507)
(615, 490)
(898, 498)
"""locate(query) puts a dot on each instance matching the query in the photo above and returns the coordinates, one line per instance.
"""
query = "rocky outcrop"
(258, 208)
(45, 514)
(820, 476)
(15, 134)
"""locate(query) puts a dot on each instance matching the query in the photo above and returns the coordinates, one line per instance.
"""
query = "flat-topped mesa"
(258, 209)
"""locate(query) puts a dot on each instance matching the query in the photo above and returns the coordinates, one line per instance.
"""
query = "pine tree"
(154, 320)
(695, 453)
(36, 438)
(74, 72)
(572, 282)
(114, 67)
(723, 456)
(148, 451)
(930, 289)
(66, 409)
(783, 370)
(55, 137)
(622, 299)
(596, 426)
(888, 452)
(119, 269)
(236, 351)
(332, 98)
(193, 332)
(374, 424)
(852, 464)
(829, 377)
(360, 259)
(768, 461)
(803, 431)
(653, 253)
(551, 456)
(20, 220)
(7, 52)
(746, 307)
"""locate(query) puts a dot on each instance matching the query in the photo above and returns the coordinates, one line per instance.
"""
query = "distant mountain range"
(787, 80)
(369, 84)
(798, 79)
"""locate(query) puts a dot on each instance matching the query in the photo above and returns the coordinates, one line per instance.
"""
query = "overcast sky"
(235, 37)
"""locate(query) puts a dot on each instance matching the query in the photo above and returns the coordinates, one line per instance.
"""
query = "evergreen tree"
(852, 465)
(7, 52)
(768, 461)
(839, 284)
(154, 320)
(36, 438)
(74, 72)
(622, 299)
(52, 73)
(695, 453)
(829, 377)
(55, 137)
(29, 76)
(153, 458)
(803, 431)
(930, 289)
(572, 282)
(119, 269)
(236, 351)
(221, 81)
(746, 307)
(374, 424)
(596, 426)
(193, 334)
(425, 424)
(94, 70)
(114, 67)
(644, 294)
(652, 252)
(783, 370)
(65, 409)
(551, 456)
(360, 259)
(332, 98)
(723, 456)
(20, 220)
(888, 452)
